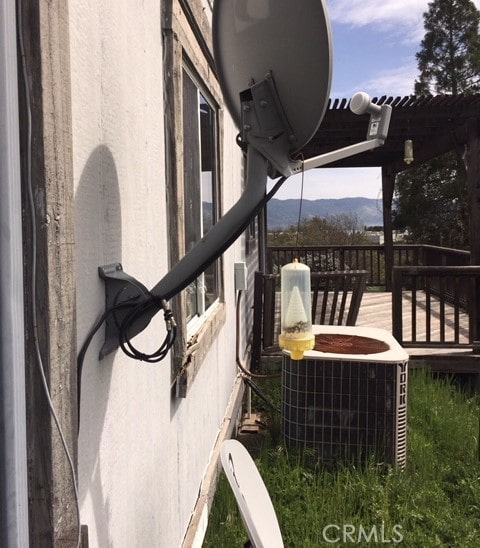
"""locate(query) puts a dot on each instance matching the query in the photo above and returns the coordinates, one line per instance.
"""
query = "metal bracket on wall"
(120, 289)
(266, 128)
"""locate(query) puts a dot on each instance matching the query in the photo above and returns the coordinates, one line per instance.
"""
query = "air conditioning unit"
(347, 399)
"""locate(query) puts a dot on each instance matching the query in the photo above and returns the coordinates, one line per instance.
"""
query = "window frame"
(202, 309)
(187, 46)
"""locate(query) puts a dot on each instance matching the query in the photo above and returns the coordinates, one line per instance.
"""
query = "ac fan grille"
(346, 410)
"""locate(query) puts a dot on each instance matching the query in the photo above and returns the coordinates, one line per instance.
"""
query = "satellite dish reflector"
(251, 495)
(288, 41)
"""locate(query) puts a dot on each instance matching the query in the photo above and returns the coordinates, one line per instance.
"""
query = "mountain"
(283, 213)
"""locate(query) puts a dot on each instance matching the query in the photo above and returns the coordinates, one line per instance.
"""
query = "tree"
(432, 203)
(449, 58)
(337, 230)
(431, 200)
(341, 229)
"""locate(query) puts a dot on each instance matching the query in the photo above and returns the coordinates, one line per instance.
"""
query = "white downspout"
(13, 453)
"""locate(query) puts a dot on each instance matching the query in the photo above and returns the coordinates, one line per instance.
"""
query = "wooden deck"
(432, 288)
(376, 311)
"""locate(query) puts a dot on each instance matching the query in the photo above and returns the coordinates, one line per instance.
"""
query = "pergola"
(435, 124)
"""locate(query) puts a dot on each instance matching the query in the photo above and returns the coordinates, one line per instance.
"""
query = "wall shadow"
(98, 229)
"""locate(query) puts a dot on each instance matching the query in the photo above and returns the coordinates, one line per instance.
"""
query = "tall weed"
(435, 501)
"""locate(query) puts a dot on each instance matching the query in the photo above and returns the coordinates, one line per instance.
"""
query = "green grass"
(435, 501)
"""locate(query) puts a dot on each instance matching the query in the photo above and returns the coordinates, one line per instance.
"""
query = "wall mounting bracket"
(120, 290)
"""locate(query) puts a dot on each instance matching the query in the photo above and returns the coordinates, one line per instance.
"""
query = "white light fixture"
(408, 152)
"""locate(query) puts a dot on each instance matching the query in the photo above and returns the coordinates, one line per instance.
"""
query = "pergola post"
(388, 184)
(472, 161)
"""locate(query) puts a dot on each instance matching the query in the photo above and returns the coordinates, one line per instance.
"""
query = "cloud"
(391, 14)
(403, 17)
(397, 82)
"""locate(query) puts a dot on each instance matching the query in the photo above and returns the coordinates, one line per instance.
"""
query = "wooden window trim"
(187, 44)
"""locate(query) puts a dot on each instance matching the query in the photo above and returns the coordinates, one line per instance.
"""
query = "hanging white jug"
(296, 310)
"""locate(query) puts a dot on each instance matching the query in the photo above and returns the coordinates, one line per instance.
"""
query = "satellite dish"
(289, 41)
(274, 62)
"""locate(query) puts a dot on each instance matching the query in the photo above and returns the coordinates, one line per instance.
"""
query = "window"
(251, 237)
(193, 138)
(200, 181)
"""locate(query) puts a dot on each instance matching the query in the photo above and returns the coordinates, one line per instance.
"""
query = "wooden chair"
(336, 299)
(265, 310)
(336, 296)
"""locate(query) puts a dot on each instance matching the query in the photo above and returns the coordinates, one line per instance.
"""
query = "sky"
(374, 46)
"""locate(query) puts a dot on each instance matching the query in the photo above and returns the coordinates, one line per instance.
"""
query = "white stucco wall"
(142, 454)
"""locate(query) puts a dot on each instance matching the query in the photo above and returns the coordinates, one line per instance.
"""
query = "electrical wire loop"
(136, 314)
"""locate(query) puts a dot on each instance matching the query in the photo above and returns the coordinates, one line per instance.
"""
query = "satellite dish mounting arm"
(376, 134)
(122, 288)
(222, 234)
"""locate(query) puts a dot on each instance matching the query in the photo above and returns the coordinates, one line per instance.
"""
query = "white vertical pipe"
(13, 454)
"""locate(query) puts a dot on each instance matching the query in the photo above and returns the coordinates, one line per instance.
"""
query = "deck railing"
(326, 258)
(364, 257)
(433, 287)
(442, 311)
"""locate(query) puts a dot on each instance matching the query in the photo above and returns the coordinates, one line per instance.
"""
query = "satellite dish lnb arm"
(376, 134)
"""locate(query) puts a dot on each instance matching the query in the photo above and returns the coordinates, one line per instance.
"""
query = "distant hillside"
(284, 213)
